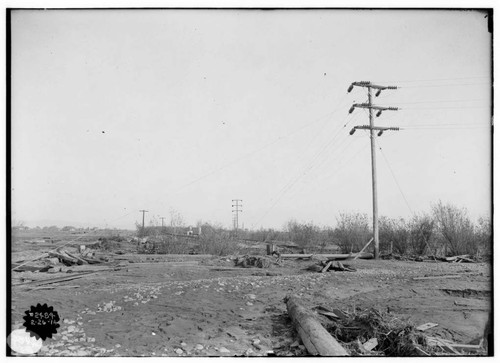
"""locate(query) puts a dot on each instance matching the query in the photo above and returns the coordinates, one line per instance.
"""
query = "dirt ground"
(204, 306)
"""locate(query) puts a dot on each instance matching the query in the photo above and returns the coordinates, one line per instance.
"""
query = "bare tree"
(455, 228)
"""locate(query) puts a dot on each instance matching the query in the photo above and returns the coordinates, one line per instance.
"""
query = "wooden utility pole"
(162, 219)
(143, 214)
(372, 129)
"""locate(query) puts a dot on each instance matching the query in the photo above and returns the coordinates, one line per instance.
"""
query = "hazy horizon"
(114, 111)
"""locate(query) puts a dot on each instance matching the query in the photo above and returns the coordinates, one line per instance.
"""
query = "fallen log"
(296, 255)
(31, 268)
(328, 257)
(347, 256)
(316, 339)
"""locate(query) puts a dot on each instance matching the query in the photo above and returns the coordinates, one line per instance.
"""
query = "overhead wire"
(308, 167)
(394, 177)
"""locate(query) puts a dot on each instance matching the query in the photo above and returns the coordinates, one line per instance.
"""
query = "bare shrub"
(352, 231)
(421, 233)
(455, 229)
(214, 240)
(303, 234)
(483, 236)
(394, 235)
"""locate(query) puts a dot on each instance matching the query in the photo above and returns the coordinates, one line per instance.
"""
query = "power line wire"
(394, 177)
(433, 80)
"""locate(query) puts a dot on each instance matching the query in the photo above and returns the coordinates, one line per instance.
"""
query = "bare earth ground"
(193, 307)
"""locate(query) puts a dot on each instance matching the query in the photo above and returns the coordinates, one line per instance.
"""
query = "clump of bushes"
(352, 232)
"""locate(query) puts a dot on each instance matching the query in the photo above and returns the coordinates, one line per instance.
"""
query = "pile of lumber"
(56, 260)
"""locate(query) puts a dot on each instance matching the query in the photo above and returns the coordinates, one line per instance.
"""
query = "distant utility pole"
(143, 214)
(162, 219)
(236, 205)
(372, 129)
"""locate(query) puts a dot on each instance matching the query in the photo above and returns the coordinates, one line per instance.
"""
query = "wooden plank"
(437, 277)
(315, 338)
(426, 326)
(55, 280)
(362, 250)
(329, 314)
(326, 267)
(79, 260)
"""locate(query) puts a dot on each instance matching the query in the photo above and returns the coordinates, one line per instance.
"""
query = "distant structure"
(236, 205)
(190, 231)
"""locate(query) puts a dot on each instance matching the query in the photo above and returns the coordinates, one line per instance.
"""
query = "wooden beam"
(315, 338)
(360, 252)
(437, 277)
(327, 266)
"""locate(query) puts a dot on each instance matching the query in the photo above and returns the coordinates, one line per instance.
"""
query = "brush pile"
(371, 332)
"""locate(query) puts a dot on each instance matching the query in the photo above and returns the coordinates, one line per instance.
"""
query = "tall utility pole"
(143, 213)
(237, 206)
(162, 219)
(372, 129)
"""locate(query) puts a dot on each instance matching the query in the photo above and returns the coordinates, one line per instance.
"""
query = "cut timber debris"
(437, 277)
(452, 346)
(316, 339)
(426, 326)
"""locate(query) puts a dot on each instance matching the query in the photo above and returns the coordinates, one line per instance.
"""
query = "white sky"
(120, 110)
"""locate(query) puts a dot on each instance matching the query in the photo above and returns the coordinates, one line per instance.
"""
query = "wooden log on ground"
(296, 255)
(346, 256)
(315, 338)
(334, 256)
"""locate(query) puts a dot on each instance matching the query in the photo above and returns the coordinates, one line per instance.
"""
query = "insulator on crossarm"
(350, 88)
(352, 131)
(380, 133)
(378, 93)
(379, 113)
(351, 109)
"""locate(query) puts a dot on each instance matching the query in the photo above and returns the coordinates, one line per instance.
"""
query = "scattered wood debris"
(329, 265)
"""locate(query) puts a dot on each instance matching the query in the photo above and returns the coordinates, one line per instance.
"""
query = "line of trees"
(446, 230)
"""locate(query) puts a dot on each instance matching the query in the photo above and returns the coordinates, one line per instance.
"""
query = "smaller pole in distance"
(237, 209)
(162, 219)
(143, 214)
